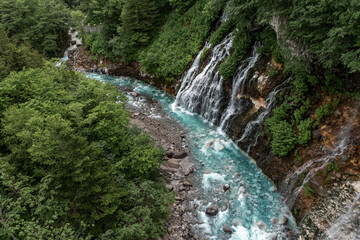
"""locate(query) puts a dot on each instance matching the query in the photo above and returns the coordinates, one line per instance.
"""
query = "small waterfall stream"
(202, 92)
(234, 106)
(255, 127)
(311, 167)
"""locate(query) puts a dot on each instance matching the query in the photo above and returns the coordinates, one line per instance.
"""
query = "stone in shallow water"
(261, 225)
(227, 229)
(283, 220)
(226, 187)
(209, 143)
(235, 222)
(274, 220)
(242, 189)
(212, 211)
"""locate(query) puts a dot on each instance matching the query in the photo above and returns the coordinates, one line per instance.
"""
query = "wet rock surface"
(177, 167)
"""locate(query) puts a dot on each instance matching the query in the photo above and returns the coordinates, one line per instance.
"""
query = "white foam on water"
(208, 177)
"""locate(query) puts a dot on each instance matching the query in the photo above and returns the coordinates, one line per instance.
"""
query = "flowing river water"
(252, 208)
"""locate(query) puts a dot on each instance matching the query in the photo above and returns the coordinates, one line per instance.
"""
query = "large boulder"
(212, 211)
(318, 188)
(283, 220)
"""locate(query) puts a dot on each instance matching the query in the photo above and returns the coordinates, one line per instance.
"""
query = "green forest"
(72, 165)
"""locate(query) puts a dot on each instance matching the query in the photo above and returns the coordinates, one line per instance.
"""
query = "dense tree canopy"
(14, 56)
(42, 23)
(71, 166)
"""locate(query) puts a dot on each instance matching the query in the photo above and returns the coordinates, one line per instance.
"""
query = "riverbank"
(178, 167)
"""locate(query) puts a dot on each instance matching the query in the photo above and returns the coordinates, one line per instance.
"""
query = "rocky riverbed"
(178, 167)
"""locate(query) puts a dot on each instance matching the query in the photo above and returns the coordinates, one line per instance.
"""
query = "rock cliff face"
(319, 202)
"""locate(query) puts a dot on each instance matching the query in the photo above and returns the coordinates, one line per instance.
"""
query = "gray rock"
(173, 163)
(261, 225)
(134, 94)
(283, 220)
(235, 222)
(212, 211)
(224, 208)
(227, 229)
(177, 155)
(187, 184)
(169, 187)
(274, 220)
(316, 134)
(226, 187)
(318, 188)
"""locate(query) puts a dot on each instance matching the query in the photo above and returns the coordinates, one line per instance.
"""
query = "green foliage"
(332, 167)
(204, 54)
(305, 129)
(221, 32)
(270, 46)
(13, 57)
(179, 40)
(323, 111)
(284, 138)
(329, 28)
(241, 45)
(333, 84)
(42, 23)
(72, 168)
(308, 190)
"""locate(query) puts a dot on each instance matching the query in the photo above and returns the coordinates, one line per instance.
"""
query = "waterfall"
(238, 82)
(73, 39)
(311, 167)
(256, 126)
(202, 92)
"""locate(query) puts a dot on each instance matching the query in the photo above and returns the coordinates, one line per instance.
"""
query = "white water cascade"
(238, 82)
(74, 43)
(202, 92)
(255, 127)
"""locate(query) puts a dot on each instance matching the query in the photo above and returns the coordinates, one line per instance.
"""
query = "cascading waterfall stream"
(255, 127)
(74, 42)
(202, 93)
(238, 82)
(287, 186)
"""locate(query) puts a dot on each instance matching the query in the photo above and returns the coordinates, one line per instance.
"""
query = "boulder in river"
(226, 187)
(283, 220)
(134, 94)
(227, 229)
(212, 211)
(261, 225)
